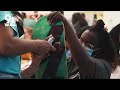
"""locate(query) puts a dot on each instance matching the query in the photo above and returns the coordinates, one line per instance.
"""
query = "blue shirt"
(10, 65)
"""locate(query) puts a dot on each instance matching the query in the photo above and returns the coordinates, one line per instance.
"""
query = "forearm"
(76, 48)
(17, 46)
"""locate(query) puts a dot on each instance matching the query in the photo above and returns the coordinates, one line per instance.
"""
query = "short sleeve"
(10, 20)
(103, 69)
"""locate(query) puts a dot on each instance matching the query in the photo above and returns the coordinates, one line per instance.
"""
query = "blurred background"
(111, 18)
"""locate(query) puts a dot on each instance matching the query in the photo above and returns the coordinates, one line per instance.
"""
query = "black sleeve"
(103, 69)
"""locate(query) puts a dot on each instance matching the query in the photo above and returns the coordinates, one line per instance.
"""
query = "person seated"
(94, 53)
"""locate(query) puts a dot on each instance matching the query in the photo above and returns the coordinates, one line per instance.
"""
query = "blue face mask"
(68, 54)
(89, 51)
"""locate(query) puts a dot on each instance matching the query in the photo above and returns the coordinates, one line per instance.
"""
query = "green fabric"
(40, 31)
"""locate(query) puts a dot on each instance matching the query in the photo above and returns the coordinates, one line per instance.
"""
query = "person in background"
(32, 17)
(80, 25)
(36, 15)
(83, 14)
(29, 22)
(28, 33)
(115, 34)
(79, 22)
(23, 15)
(94, 53)
(26, 58)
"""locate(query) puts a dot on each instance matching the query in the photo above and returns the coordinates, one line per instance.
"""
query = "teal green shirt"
(10, 65)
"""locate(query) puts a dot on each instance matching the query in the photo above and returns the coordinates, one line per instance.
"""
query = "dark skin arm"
(13, 46)
(30, 71)
(85, 64)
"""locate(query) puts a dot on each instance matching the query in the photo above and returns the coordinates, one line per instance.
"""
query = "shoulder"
(10, 20)
(102, 69)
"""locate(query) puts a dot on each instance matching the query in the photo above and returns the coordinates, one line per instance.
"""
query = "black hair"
(19, 23)
(80, 23)
(108, 51)
(23, 15)
(17, 13)
(79, 30)
(100, 24)
(62, 12)
(83, 14)
(78, 17)
(114, 33)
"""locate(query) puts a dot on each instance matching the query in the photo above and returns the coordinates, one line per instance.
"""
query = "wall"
(111, 19)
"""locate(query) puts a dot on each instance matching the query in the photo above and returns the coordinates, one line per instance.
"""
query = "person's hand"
(43, 48)
(55, 16)
(46, 39)
(36, 59)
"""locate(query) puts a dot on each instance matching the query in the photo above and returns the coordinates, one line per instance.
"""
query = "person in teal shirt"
(11, 47)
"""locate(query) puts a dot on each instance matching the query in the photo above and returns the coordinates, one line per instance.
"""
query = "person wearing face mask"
(94, 54)
(11, 47)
